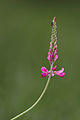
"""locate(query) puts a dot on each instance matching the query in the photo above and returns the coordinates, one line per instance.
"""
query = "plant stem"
(46, 86)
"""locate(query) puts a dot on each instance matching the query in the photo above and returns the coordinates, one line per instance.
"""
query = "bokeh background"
(24, 42)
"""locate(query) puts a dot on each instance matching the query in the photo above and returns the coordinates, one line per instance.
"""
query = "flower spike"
(52, 54)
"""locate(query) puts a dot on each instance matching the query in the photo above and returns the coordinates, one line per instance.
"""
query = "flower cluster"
(52, 54)
(45, 72)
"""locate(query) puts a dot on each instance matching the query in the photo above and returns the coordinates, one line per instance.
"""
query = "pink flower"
(56, 57)
(55, 52)
(50, 45)
(59, 72)
(54, 68)
(49, 58)
(45, 72)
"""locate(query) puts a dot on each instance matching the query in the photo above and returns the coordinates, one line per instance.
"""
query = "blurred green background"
(24, 42)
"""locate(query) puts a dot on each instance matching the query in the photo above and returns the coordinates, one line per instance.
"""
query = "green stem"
(46, 86)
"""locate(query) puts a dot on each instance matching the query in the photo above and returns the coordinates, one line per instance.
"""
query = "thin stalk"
(46, 86)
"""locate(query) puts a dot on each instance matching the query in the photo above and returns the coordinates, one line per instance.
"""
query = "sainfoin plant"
(52, 57)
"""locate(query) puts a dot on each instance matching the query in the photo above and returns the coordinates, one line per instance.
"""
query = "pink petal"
(57, 73)
(56, 57)
(49, 57)
(60, 74)
(50, 49)
(60, 71)
(44, 74)
(52, 74)
(54, 68)
(51, 45)
(52, 55)
(55, 52)
(49, 53)
(43, 69)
